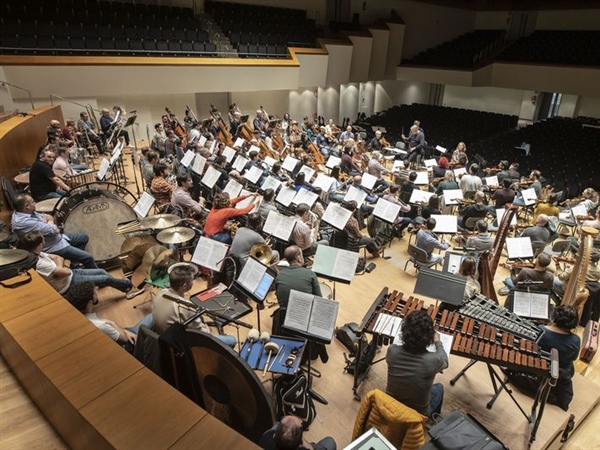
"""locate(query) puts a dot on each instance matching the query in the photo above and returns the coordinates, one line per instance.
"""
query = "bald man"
(539, 232)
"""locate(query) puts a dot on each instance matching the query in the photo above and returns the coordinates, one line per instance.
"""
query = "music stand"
(327, 264)
(130, 121)
(447, 287)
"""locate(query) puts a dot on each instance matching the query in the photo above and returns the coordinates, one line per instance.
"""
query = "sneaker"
(132, 293)
(504, 291)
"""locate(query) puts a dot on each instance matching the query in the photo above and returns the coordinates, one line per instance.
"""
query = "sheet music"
(388, 325)
(323, 181)
(313, 315)
(144, 204)
(452, 196)
(491, 181)
(420, 196)
(104, 166)
(289, 163)
(308, 172)
(305, 196)
(530, 304)
(239, 163)
(368, 181)
(398, 166)
(336, 216)
(247, 201)
(210, 253)
(271, 182)
(519, 247)
(187, 158)
(446, 339)
(285, 195)
(298, 311)
(253, 174)
(254, 148)
(440, 149)
(387, 211)
(211, 176)
(356, 194)
(233, 188)
(454, 262)
(212, 147)
(279, 225)
(445, 223)
(500, 214)
(229, 154)
(199, 164)
(335, 263)
(202, 140)
(118, 148)
(251, 275)
(239, 142)
(458, 171)
(579, 210)
(430, 162)
(269, 161)
(115, 155)
(333, 161)
(529, 196)
(422, 178)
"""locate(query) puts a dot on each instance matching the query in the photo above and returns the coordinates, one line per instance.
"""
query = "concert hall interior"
(271, 146)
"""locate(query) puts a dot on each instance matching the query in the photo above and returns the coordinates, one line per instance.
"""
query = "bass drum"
(96, 212)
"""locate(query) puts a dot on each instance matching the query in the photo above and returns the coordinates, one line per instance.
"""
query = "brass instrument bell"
(262, 253)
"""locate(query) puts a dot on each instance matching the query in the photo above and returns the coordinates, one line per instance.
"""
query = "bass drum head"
(230, 390)
(99, 217)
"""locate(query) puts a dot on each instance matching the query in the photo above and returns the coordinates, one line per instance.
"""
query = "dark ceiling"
(515, 5)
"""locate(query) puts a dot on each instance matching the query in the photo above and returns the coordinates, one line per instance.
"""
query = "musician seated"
(478, 209)
(468, 269)
(347, 163)
(539, 232)
(557, 334)
(325, 144)
(247, 237)
(505, 194)
(539, 274)
(375, 144)
(287, 434)
(409, 185)
(411, 368)
(448, 183)
(303, 235)
(459, 155)
(377, 169)
(61, 278)
(84, 296)
(595, 223)
(470, 182)
(182, 199)
(353, 230)
(439, 171)
(62, 163)
(88, 131)
(56, 130)
(160, 188)
(481, 242)
(268, 203)
(427, 240)
(348, 134)
(166, 309)
(279, 174)
(107, 124)
(223, 210)
(43, 182)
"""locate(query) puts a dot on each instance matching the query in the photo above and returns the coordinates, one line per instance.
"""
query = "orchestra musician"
(181, 197)
(416, 143)
(468, 269)
(505, 194)
(55, 130)
(375, 143)
(247, 237)
(377, 169)
(547, 207)
(325, 143)
(303, 235)
(538, 273)
(160, 188)
(460, 153)
(88, 131)
(159, 139)
(43, 182)
(442, 167)
(107, 122)
(348, 134)
(353, 230)
(448, 183)
(427, 240)
(348, 164)
(224, 209)
(478, 209)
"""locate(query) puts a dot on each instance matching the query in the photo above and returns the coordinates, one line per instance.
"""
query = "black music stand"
(130, 122)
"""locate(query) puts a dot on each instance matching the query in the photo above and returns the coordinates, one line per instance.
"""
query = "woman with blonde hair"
(460, 154)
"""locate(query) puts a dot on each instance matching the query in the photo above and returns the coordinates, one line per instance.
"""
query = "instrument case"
(590, 341)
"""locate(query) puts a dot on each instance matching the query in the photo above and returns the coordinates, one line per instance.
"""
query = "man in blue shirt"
(427, 240)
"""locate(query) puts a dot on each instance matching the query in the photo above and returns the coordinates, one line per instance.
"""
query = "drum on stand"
(326, 291)
(96, 212)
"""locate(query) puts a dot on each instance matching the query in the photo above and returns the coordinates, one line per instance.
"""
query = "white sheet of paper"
(356, 194)
(500, 214)
(285, 195)
(233, 188)
(289, 163)
(239, 163)
(529, 196)
(368, 181)
(212, 147)
(305, 196)
(210, 253)
(530, 304)
(454, 262)
(445, 223)
(323, 316)
(398, 165)
(430, 162)
(308, 172)
(387, 211)
(279, 225)
(271, 183)
(336, 216)
(143, 205)
(452, 196)
(323, 181)
(199, 164)
(202, 141)
(422, 178)
(333, 161)
(519, 247)
(491, 181)
(247, 201)
(269, 161)
(254, 148)
(420, 196)
(579, 210)
(440, 149)
(458, 171)
(187, 158)
(239, 142)
(253, 174)
(251, 274)
(335, 262)
(115, 156)
(104, 166)
(210, 177)
(229, 154)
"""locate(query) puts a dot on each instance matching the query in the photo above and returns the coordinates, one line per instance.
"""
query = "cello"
(177, 128)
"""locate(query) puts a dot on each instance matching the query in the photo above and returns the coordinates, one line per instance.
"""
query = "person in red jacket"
(224, 209)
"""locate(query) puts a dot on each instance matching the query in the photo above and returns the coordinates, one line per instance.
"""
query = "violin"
(492, 170)
(383, 142)
(518, 265)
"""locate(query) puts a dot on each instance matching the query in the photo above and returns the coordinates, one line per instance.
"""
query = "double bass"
(175, 125)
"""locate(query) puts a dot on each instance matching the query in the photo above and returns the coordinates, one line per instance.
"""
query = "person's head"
(159, 126)
(24, 203)
(552, 199)
(300, 179)
(221, 200)
(394, 188)
(414, 129)
(254, 221)
(482, 226)
(349, 128)
(543, 260)
(565, 317)
(253, 155)
(152, 157)
(542, 220)
(506, 182)
(184, 180)
(357, 180)
(268, 195)
(412, 176)
(82, 296)
(515, 166)
(376, 155)
(32, 242)
(417, 331)
(474, 169)
(377, 134)
(288, 434)
(417, 123)
(276, 168)
(535, 175)
(335, 173)
(479, 197)
(449, 176)
(181, 277)
(350, 205)
(293, 255)
(48, 157)
(302, 210)
(220, 160)
(62, 152)
(55, 124)
(84, 115)
(590, 193)
(461, 147)
(160, 170)
(430, 223)
(443, 162)
(503, 164)
(105, 112)
(468, 267)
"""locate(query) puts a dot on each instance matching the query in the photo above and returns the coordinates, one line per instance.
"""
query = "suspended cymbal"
(175, 235)
(3, 235)
(160, 221)
(132, 242)
(12, 255)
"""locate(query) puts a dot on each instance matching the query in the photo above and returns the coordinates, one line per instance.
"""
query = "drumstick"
(270, 347)
(275, 359)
